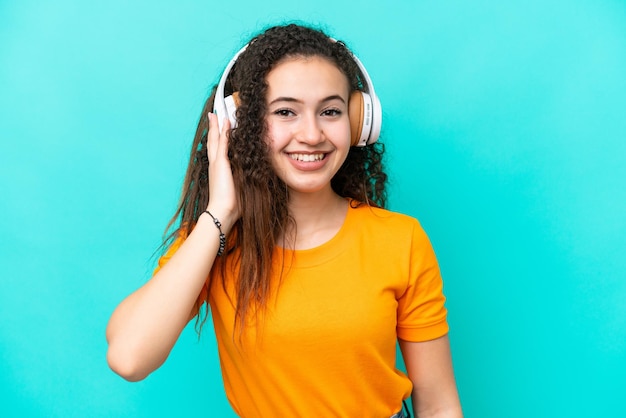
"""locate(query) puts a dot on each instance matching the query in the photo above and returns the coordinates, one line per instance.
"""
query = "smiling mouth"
(307, 157)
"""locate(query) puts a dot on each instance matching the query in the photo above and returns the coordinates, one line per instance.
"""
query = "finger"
(225, 125)
(212, 137)
(222, 147)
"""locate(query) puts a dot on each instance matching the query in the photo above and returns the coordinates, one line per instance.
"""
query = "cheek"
(270, 138)
(342, 133)
(277, 138)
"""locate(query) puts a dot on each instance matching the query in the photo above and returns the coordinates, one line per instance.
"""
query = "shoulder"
(376, 217)
(387, 228)
(394, 240)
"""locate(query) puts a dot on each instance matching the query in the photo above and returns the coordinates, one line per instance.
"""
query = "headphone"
(364, 108)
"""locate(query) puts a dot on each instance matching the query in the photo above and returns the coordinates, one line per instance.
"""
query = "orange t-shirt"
(326, 343)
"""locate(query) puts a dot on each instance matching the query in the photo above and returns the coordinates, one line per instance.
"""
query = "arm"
(429, 365)
(145, 326)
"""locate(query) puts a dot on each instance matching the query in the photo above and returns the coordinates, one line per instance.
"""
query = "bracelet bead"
(218, 225)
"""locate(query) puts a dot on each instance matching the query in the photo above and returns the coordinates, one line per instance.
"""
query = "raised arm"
(429, 365)
(145, 326)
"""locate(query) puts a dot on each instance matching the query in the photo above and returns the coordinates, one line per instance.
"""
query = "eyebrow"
(294, 100)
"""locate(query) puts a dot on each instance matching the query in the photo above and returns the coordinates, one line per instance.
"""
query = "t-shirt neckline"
(323, 252)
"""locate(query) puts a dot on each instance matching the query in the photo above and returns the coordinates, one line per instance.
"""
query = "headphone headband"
(369, 117)
(219, 104)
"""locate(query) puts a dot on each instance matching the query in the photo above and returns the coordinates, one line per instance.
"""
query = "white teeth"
(307, 157)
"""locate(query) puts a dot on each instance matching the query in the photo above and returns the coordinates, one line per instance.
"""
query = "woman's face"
(308, 122)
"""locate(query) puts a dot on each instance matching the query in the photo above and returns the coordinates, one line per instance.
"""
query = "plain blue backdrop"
(505, 125)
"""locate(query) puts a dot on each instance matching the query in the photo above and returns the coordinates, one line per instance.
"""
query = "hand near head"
(222, 196)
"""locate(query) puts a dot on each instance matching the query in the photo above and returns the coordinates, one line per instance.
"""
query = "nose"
(310, 130)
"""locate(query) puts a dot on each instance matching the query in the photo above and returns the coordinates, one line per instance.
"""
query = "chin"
(308, 188)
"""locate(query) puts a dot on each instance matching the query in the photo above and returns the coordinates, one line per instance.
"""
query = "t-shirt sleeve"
(174, 246)
(421, 311)
(202, 297)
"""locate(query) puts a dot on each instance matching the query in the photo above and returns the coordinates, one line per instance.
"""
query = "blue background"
(505, 125)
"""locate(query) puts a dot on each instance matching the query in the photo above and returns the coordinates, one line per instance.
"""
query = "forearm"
(453, 411)
(429, 366)
(442, 403)
(145, 326)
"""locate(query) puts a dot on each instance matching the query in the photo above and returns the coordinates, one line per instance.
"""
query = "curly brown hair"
(262, 196)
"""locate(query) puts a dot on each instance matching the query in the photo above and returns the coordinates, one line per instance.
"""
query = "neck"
(318, 217)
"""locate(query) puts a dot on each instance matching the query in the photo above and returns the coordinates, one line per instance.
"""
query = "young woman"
(281, 231)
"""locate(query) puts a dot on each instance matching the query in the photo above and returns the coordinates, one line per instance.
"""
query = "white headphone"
(364, 108)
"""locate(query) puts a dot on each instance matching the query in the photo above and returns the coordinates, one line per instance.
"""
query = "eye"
(285, 113)
(332, 112)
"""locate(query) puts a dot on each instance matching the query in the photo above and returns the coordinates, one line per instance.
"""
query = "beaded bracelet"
(218, 225)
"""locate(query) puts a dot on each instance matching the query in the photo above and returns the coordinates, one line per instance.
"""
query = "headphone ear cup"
(231, 102)
(361, 111)
(355, 112)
